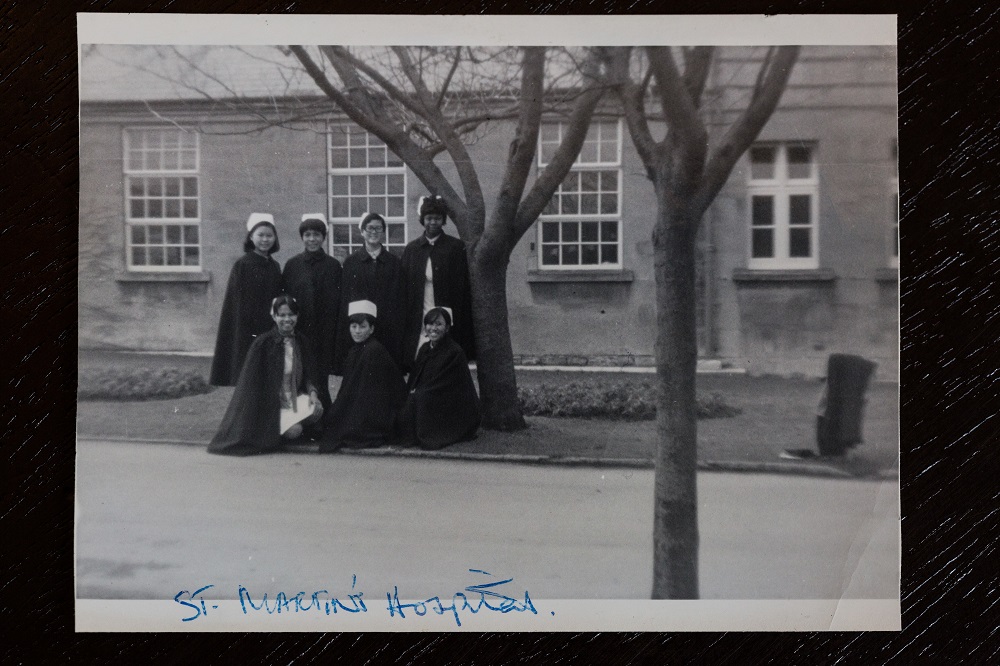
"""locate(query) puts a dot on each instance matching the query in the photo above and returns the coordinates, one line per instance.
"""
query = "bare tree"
(686, 177)
(426, 101)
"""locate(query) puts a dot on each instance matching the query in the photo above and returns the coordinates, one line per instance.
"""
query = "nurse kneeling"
(275, 394)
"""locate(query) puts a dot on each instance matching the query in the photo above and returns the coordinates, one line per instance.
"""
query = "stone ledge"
(581, 276)
(180, 276)
(796, 275)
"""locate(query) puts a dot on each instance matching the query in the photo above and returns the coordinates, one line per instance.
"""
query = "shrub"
(628, 401)
(139, 384)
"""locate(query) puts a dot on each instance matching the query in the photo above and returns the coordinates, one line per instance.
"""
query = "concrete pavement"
(153, 520)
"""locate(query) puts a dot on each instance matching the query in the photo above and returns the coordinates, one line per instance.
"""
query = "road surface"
(154, 519)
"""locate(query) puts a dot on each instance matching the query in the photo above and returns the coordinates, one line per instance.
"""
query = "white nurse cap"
(257, 218)
(362, 307)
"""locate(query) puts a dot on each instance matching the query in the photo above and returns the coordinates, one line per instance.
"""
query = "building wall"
(760, 321)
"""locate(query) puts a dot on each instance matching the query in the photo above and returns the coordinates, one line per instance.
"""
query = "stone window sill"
(798, 275)
(140, 276)
(581, 276)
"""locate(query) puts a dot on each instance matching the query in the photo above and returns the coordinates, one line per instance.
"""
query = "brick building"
(798, 254)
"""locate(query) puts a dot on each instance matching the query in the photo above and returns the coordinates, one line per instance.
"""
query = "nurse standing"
(255, 280)
(437, 275)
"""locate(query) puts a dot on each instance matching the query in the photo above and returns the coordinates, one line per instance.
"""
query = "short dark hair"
(284, 299)
(433, 313)
(248, 244)
(359, 317)
(312, 224)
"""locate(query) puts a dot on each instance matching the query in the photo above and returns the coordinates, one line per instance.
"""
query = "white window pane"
(338, 158)
(799, 242)
(338, 185)
(396, 184)
(339, 207)
(763, 211)
(763, 243)
(799, 162)
(570, 232)
(396, 207)
(799, 209)
(762, 161)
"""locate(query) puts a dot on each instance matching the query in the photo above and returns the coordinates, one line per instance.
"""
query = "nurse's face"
(361, 331)
(436, 329)
(262, 238)
(432, 224)
(373, 232)
(285, 319)
(313, 240)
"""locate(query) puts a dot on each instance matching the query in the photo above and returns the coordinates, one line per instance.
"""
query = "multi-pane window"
(364, 176)
(162, 200)
(784, 206)
(580, 227)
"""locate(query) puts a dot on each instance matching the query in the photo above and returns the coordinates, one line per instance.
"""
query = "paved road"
(156, 519)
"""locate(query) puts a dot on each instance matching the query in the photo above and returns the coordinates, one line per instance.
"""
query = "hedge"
(629, 401)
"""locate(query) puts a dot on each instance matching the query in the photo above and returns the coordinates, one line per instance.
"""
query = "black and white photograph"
(451, 323)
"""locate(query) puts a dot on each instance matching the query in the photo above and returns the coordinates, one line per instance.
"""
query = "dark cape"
(451, 289)
(442, 406)
(251, 422)
(381, 282)
(313, 279)
(370, 396)
(246, 313)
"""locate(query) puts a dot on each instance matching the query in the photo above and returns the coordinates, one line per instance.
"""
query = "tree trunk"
(675, 530)
(488, 261)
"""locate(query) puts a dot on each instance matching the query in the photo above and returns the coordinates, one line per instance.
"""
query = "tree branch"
(447, 79)
(474, 206)
(396, 138)
(679, 109)
(522, 148)
(555, 172)
(698, 63)
(633, 105)
(395, 93)
(767, 94)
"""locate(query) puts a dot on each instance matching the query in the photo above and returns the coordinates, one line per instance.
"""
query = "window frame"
(145, 175)
(598, 167)
(781, 188)
(351, 222)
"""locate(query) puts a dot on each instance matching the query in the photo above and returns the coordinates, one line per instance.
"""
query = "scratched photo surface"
(796, 265)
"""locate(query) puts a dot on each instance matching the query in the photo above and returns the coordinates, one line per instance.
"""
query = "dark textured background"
(949, 379)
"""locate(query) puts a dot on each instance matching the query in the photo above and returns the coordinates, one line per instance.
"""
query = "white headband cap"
(367, 217)
(314, 216)
(451, 315)
(362, 307)
(257, 218)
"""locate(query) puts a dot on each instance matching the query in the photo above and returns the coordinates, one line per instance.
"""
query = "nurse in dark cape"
(253, 282)
(442, 406)
(313, 279)
(437, 275)
(275, 394)
(371, 392)
(373, 273)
